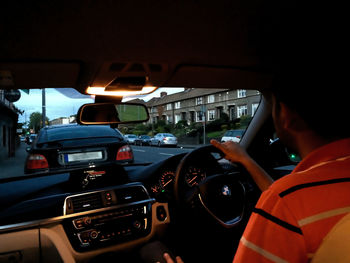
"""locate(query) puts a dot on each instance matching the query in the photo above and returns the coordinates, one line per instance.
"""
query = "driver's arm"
(235, 153)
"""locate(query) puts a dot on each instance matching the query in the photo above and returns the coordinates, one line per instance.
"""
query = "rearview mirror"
(111, 113)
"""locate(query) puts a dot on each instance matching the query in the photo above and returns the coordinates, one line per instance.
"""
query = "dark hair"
(320, 100)
(305, 44)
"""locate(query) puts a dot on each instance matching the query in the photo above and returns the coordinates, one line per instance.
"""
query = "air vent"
(103, 199)
(84, 202)
(131, 194)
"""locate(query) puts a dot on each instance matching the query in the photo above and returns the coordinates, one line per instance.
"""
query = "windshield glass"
(181, 119)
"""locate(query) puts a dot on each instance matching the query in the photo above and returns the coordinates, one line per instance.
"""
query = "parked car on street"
(162, 139)
(65, 147)
(232, 135)
(143, 140)
(130, 138)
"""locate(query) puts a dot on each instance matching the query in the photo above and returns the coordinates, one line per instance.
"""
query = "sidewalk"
(14, 166)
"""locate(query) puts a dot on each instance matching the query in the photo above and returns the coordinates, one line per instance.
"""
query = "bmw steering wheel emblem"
(226, 191)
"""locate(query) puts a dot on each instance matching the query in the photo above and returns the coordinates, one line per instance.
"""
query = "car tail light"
(37, 161)
(124, 153)
(238, 136)
(164, 139)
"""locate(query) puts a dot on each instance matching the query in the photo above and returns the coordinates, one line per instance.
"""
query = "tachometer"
(194, 176)
(167, 179)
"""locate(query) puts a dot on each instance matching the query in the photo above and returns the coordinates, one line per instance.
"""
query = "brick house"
(199, 105)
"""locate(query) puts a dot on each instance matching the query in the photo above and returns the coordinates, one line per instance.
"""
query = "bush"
(245, 120)
(181, 125)
(215, 125)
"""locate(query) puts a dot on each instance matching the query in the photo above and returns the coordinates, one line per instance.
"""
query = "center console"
(108, 217)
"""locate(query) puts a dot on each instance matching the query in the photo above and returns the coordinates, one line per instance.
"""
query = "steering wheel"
(199, 176)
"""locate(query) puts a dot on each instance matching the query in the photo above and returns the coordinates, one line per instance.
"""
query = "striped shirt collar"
(332, 151)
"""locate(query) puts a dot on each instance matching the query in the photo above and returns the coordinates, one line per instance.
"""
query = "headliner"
(208, 44)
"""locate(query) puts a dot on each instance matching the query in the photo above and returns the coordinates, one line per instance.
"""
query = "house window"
(177, 118)
(169, 106)
(211, 98)
(254, 108)
(211, 115)
(241, 93)
(199, 116)
(177, 105)
(169, 119)
(199, 100)
(242, 110)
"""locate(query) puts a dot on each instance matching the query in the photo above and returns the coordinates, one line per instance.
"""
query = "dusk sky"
(59, 105)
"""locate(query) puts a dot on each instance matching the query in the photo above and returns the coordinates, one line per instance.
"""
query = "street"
(13, 167)
(148, 154)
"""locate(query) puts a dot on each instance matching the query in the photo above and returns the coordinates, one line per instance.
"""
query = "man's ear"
(290, 119)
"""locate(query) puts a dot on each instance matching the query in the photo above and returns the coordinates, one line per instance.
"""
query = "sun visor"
(41, 74)
(109, 72)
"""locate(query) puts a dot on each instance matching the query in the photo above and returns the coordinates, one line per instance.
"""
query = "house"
(60, 121)
(202, 105)
(8, 126)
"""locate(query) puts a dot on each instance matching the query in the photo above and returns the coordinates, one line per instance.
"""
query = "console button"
(137, 224)
(161, 213)
(93, 234)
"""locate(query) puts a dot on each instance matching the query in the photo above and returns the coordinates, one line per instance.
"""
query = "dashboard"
(79, 215)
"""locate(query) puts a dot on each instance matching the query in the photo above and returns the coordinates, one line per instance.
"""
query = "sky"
(59, 105)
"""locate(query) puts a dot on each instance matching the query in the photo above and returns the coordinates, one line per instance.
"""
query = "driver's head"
(307, 46)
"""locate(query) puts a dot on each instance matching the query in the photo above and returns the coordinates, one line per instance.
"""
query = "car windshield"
(181, 119)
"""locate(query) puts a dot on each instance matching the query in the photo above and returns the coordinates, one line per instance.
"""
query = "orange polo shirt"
(293, 216)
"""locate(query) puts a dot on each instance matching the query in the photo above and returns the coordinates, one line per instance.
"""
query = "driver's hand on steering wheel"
(237, 154)
(233, 151)
(168, 259)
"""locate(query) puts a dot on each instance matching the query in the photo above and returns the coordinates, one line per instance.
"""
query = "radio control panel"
(111, 227)
(108, 217)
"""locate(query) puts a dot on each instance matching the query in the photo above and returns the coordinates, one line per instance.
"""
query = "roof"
(184, 95)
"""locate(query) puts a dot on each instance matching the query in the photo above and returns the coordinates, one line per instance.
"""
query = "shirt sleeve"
(272, 233)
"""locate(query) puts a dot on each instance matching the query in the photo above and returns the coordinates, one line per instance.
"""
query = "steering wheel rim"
(201, 191)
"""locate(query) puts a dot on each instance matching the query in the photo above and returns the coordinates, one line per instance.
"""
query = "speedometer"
(194, 176)
(167, 179)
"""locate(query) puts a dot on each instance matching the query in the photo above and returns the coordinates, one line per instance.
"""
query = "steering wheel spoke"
(221, 195)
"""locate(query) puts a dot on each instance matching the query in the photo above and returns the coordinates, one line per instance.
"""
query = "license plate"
(85, 156)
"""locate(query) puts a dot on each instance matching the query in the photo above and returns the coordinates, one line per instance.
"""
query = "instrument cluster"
(193, 176)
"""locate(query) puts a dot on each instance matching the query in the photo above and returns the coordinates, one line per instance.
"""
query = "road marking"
(135, 150)
(170, 154)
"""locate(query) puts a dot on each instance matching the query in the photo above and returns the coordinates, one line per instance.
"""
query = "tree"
(35, 121)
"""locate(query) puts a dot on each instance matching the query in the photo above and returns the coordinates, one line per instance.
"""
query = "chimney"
(162, 94)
